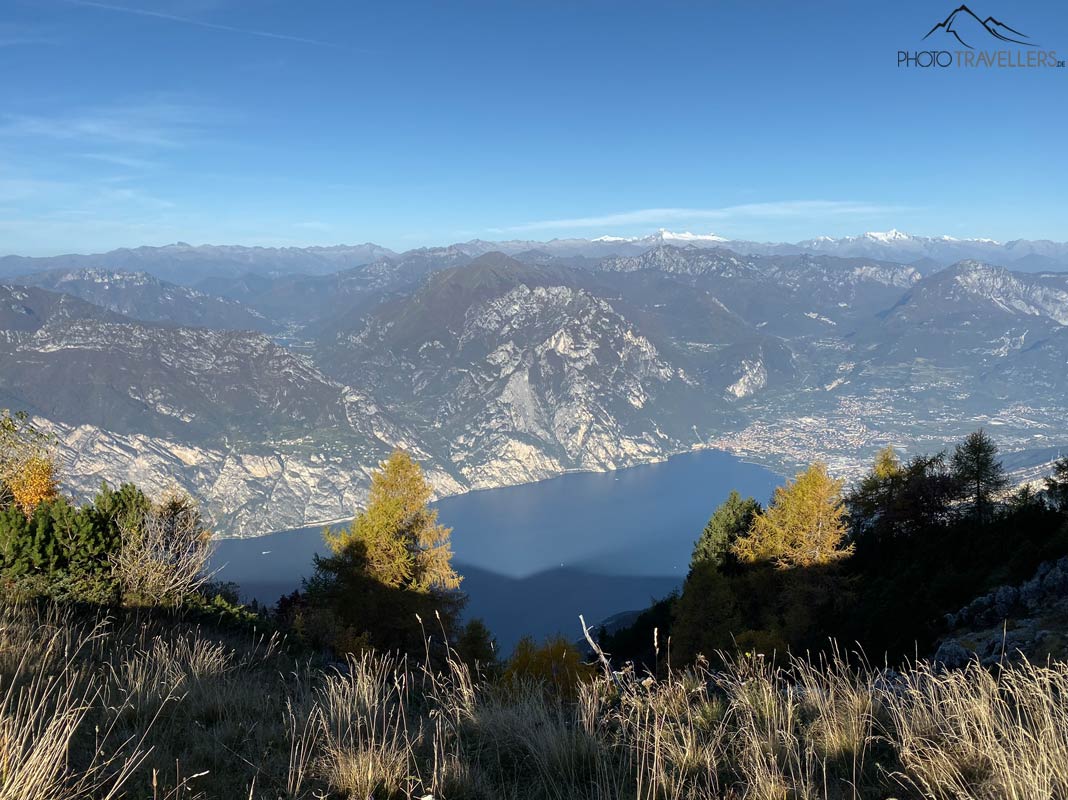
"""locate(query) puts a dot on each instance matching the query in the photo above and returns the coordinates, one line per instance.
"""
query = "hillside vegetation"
(886, 564)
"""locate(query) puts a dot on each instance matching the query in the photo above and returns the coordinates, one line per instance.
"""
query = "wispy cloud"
(130, 197)
(20, 35)
(129, 162)
(154, 124)
(73, 197)
(796, 209)
(24, 41)
(70, 165)
(19, 189)
(215, 26)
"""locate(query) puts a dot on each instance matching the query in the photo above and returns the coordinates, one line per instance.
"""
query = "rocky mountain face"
(1039, 368)
(495, 370)
(25, 310)
(789, 294)
(522, 371)
(147, 298)
(248, 490)
(972, 287)
(73, 362)
(996, 322)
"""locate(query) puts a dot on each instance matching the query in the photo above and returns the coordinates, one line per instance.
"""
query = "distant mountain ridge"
(185, 263)
(197, 266)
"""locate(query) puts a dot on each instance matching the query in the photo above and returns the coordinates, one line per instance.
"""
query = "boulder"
(1031, 594)
(1056, 580)
(951, 654)
(1005, 598)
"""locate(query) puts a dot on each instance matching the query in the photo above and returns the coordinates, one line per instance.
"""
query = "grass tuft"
(154, 708)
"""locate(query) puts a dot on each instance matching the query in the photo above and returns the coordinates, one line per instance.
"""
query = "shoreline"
(776, 470)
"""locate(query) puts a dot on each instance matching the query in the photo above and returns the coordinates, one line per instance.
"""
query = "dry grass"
(46, 698)
(147, 709)
(974, 734)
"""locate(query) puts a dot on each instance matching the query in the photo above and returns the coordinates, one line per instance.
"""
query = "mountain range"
(272, 392)
(191, 265)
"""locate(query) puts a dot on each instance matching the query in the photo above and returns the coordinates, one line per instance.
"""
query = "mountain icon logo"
(966, 27)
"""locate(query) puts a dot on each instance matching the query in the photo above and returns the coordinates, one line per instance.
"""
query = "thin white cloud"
(129, 162)
(12, 35)
(17, 190)
(24, 41)
(798, 209)
(52, 198)
(129, 197)
(154, 124)
(144, 12)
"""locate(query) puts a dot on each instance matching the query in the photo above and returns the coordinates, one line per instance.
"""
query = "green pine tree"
(979, 472)
(732, 519)
(871, 501)
(1057, 484)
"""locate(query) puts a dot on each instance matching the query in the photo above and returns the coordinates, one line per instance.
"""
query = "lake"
(536, 556)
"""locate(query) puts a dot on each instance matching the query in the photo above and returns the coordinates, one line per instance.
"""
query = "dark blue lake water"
(534, 557)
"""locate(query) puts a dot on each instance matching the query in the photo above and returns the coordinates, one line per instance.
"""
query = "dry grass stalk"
(44, 704)
(225, 719)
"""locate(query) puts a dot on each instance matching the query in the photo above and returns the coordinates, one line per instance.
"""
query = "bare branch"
(165, 551)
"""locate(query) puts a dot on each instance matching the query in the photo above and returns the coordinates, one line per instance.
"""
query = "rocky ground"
(1028, 620)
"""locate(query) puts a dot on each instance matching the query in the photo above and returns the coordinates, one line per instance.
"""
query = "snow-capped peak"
(892, 235)
(685, 236)
(664, 235)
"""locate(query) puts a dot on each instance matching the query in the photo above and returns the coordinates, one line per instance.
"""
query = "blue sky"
(407, 124)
